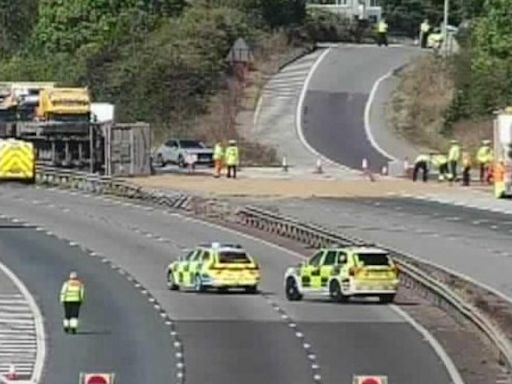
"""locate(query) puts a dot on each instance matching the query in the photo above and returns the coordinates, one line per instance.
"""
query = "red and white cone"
(318, 167)
(11, 375)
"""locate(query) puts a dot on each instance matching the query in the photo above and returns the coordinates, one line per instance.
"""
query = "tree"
(16, 22)
(65, 25)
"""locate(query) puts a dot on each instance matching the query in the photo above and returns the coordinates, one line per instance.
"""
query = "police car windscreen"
(233, 257)
(373, 259)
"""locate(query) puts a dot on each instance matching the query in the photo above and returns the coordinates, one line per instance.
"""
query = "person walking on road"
(72, 296)
(232, 158)
(453, 159)
(484, 157)
(382, 33)
(218, 156)
(424, 32)
(466, 169)
(421, 164)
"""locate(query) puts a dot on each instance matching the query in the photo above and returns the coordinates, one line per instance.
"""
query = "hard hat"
(73, 275)
(454, 141)
(215, 245)
(232, 141)
(486, 141)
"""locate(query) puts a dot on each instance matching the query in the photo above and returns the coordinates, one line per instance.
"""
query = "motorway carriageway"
(227, 338)
(120, 332)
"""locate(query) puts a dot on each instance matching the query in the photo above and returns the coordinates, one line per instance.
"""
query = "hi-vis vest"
(423, 158)
(484, 154)
(425, 27)
(454, 153)
(439, 160)
(72, 292)
(218, 152)
(232, 155)
(382, 27)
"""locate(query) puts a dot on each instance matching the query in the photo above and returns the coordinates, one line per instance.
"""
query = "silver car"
(184, 152)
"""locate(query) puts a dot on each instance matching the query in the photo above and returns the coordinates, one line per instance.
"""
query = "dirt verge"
(287, 188)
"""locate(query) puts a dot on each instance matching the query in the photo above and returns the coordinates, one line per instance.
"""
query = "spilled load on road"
(17, 160)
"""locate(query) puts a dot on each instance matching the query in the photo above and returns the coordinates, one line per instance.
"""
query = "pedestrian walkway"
(18, 342)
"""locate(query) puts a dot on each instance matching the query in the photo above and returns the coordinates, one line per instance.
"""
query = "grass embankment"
(422, 102)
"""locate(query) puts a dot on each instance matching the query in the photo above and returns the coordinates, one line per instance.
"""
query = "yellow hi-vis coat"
(484, 154)
(382, 27)
(218, 152)
(232, 155)
(439, 160)
(424, 27)
(454, 153)
(72, 291)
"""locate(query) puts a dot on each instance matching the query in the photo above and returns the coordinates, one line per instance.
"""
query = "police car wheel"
(336, 293)
(292, 292)
(170, 283)
(198, 284)
(387, 298)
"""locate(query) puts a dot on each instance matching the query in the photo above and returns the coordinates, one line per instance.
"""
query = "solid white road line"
(300, 106)
(367, 123)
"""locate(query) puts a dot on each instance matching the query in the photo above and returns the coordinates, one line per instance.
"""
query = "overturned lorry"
(69, 131)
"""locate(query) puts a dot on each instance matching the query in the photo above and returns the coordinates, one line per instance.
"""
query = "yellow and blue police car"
(220, 266)
(342, 272)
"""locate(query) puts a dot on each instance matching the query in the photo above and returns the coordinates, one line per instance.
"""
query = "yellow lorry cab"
(219, 266)
(17, 160)
(64, 104)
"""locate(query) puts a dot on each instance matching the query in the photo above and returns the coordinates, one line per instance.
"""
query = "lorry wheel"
(292, 291)
(387, 298)
(336, 293)
(251, 289)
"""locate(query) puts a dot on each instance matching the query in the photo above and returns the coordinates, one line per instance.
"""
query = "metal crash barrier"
(416, 274)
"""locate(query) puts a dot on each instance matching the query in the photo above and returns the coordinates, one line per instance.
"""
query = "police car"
(220, 266)
(342, 272)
